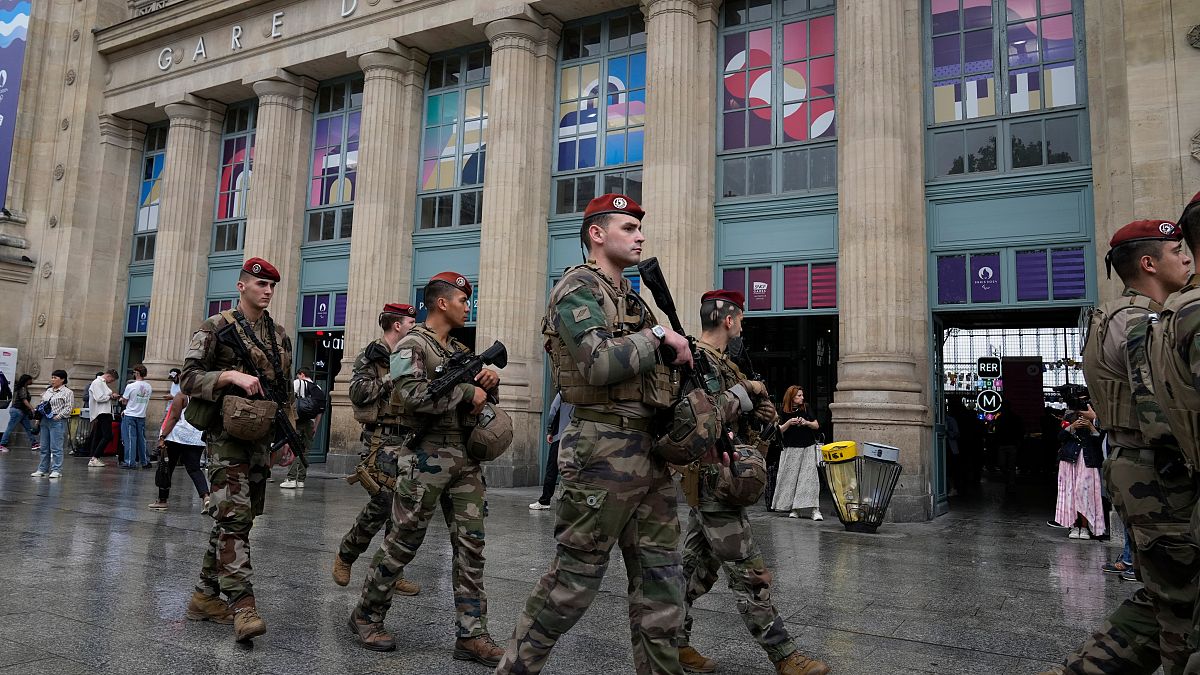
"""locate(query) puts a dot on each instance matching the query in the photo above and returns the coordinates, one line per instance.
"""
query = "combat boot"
(373, 636)
(208, 608)
(405, 587)
(695, 662)
(481, 648)
(799, 664)
(247, 624)
(341, 570)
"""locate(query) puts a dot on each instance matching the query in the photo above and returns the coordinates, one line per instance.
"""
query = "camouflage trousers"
(718, 537)
(434, 470)
(237, 473)
(613, 492)
(1154, 624)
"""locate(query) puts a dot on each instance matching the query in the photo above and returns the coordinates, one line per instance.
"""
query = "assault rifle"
(287, 433)
(461, 367)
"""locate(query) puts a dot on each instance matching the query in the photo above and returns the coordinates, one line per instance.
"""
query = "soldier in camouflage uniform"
(719, 534)
(370, 395)
(238, 468)
(604, 348)
(1150, 485)
(1175, 371)
(437, 465)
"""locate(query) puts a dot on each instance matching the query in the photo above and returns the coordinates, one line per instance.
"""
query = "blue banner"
(14, 23)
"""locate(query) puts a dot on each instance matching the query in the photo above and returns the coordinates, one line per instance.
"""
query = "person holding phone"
(797, 486)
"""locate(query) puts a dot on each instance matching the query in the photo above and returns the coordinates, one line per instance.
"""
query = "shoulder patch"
(405, 353)
(581, 313)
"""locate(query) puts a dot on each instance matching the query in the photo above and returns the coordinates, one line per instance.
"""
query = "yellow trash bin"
(862, 478)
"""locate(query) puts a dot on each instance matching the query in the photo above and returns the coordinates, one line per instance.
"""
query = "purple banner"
(985, 277)
(952, 279)
(1069, 273)
(321, 319)
(14, 22)
(1032, 284)
(760, 289)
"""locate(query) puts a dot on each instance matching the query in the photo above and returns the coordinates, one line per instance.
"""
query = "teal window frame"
(229, 234)
(334, 222)
(145, 225)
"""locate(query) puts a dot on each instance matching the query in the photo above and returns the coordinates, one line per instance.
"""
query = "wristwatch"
(659, 332)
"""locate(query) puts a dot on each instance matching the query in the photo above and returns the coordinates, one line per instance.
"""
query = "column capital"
(197, 113)
(703, 10)
(398, 62)
(282, 88)
(121, 132)
(528, 30)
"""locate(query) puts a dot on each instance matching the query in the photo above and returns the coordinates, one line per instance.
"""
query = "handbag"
(162, 473)
(42, 410)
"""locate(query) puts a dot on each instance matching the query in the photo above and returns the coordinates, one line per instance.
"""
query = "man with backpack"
(310, 406)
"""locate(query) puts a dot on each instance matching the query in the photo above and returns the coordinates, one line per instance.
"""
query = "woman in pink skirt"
(1080, 456)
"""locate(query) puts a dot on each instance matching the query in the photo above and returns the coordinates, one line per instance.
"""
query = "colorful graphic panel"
(14, 22)
(334, 169)
(455, 139)
(619, 83)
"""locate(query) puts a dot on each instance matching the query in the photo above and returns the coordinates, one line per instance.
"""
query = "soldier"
(439, 464)
(604, 349)
(1146, 475)
(718, 534)
(370, 394)
(1175, 371)
(216, 380)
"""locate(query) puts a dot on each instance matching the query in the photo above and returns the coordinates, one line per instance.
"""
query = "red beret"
(613, 203)
(257, 267)
(454, 279)
(736, 297)
(1146, 230)
(397, 308)
(1195, 199)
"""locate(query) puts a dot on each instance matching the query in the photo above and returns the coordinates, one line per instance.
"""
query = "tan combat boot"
(247, 624)
(207, 608)
(405, 587)
(481, 648)
(695, 662)
(799, 664)
(341, 570)
(373, 636)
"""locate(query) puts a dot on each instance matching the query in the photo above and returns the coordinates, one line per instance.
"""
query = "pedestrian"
(560, 419)
(798, 487)
(55, 407)
(603, 342)
(306, 427)
(20, 411)
(370, 396)
(173, 378)
(180, 443)
(136, 400)
(1079, 502)
(719, 534)
(1123, 565)
(216, 380)
(1174, 364)
(1148, 480)
(438, 465)
(100, 410)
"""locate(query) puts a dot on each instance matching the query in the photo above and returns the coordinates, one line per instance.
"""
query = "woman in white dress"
(798, 488)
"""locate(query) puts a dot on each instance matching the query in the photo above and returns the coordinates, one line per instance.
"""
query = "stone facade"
(88, 97)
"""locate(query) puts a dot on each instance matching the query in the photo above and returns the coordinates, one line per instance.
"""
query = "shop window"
(233, 179)
(323, 310)
(145, 229)
(333, 172)
(454, 143)
(600, 137)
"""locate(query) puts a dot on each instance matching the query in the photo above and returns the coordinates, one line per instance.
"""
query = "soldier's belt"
(445, 438)
(642, 424)
(387, 429)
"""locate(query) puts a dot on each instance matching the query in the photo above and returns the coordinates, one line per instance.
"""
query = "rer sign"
(989, 367)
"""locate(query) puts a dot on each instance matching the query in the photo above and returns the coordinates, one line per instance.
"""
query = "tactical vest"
(657, 388)
(383, 410)
(436, 354)
(1109, 388)
(726, 376)
(1174, 389)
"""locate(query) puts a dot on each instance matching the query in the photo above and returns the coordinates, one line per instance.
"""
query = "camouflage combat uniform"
(614, 491)
(1152, 490)
(1175, 369)
(719, 536)
(439, 466)
(238, 469)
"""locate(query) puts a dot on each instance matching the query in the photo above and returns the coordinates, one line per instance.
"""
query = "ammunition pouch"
(693, 428)
(743, 481)
(248, 419)
(204, 415)
(492, 435)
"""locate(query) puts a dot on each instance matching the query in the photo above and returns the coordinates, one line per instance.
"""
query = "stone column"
(381, 248)
(185, 220)
(512, 256)
(275, 207)
(883, 375)
(681, 147)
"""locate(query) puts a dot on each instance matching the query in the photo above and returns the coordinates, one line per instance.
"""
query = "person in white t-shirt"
(133, 423)
(100, 408)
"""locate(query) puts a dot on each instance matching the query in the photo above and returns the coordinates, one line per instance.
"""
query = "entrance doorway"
(321, 352)
(997, 432)
(133, 354)
(801, 350)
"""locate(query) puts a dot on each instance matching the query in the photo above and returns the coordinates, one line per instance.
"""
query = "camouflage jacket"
(728, 375)
(207, 358)
(1175, 366)
(370, 386)
(413, 366)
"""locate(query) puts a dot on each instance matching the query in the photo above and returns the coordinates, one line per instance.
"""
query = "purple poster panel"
(952, 279)
(1031, 276)
(322, 317)
(760, 289)
(14, 22)
(985, 277)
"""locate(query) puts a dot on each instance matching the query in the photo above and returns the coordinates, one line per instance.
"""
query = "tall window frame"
(595, 151)
(777, 82)
(233, 177)
(333, 169)
(454, 139)
(1005, 87)
(145, 227)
